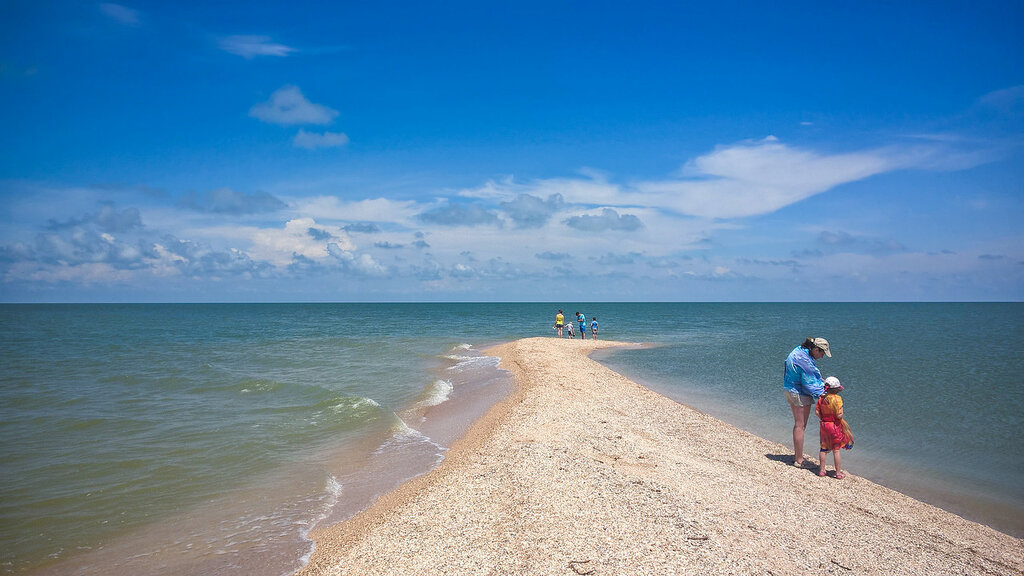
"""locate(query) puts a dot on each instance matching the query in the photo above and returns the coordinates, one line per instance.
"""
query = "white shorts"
(798, 400)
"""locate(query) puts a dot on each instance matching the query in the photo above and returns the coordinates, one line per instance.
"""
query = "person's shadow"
(788, 460)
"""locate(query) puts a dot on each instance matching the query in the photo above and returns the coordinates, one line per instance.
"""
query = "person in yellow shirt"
(559, 323)
(834, 431)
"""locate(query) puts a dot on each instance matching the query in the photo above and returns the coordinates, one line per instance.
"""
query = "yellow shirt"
(559, 319)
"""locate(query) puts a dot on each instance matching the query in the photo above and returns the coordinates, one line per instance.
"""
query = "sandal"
(840, 475)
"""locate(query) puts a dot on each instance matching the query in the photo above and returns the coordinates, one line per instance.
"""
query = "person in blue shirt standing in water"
(802, 384)
(582, 320)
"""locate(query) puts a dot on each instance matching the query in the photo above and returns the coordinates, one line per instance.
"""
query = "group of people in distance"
(803, 386)
(565, 329)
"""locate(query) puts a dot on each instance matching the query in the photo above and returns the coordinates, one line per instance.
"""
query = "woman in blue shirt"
(802, 384)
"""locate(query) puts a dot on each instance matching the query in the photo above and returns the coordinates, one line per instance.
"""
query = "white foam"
(468, 362)
(346, 405)
(437, 393)
(333, 488)
(403, 434)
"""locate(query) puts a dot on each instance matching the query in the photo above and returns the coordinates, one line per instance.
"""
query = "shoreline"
(582, 470)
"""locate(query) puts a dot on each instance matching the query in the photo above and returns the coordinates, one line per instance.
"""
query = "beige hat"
(823, 344)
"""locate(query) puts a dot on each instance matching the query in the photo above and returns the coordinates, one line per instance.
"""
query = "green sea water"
(209, 438)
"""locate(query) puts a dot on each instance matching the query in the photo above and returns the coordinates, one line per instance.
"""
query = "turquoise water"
(208, 439)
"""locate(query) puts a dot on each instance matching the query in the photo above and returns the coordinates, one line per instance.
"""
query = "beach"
(582, 471)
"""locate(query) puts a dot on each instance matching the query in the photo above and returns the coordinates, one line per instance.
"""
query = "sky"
(530, 151)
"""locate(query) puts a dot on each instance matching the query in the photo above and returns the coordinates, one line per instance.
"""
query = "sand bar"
(582, 471)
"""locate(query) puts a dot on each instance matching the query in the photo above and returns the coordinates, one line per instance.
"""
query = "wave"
(403, 435)
(436, 393)
(472, 362)
(332, 490)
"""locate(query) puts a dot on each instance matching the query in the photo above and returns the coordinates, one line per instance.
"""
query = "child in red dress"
(834, 431)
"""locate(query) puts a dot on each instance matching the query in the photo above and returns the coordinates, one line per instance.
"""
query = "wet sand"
(582, 471)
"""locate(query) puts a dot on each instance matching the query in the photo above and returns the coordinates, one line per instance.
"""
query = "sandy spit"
(582, 471)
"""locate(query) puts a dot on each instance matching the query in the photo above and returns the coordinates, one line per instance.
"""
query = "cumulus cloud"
(529, 211)
(121, 14)
(230, 202)
(288, 106)
(363, 264)
(609, 219)
(313, 140)
(249, 47)
(459, 215)
(281, 246)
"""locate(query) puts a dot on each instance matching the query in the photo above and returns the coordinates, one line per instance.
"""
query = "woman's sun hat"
(832, 383)
(823, 344)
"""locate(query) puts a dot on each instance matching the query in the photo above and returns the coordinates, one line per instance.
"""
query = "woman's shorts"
(798, 400)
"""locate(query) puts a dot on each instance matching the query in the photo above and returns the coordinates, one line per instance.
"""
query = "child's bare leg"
(839, 467)
(821, 462)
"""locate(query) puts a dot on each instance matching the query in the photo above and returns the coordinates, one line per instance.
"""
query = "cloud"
(121, 14)
(858, 243)
(108, 219)
(312, 140)
(229, 202)
(1006, 101)
(529, 211)
(171, 255)
(608, 220)
(287, 106)
(363, 228)
(319, 234)
(610, 259)
(249, 47)
(388, 245)
(459, 215)
(553, 256)
(759, 178)
(364, 211)
(281, 246)
(363, 264)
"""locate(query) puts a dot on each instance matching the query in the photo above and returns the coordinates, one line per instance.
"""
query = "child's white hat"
(832, 383)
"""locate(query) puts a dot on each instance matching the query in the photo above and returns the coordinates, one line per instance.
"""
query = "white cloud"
(249, 47)
(594, 190)
(121, 14)
(751, 179)
(313, 140)
(371, 210)
(300, 237)
(288, 106)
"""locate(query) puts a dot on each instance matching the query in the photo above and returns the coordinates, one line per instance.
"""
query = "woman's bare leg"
(800, 415)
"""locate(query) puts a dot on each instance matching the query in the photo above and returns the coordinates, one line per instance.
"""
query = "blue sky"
(556, 151)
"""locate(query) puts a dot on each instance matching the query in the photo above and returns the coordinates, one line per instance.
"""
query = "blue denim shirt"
(802, 375)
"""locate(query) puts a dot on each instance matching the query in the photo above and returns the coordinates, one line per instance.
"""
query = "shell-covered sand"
(582, 471)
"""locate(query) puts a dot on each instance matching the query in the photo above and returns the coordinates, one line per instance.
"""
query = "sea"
(212, 438)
